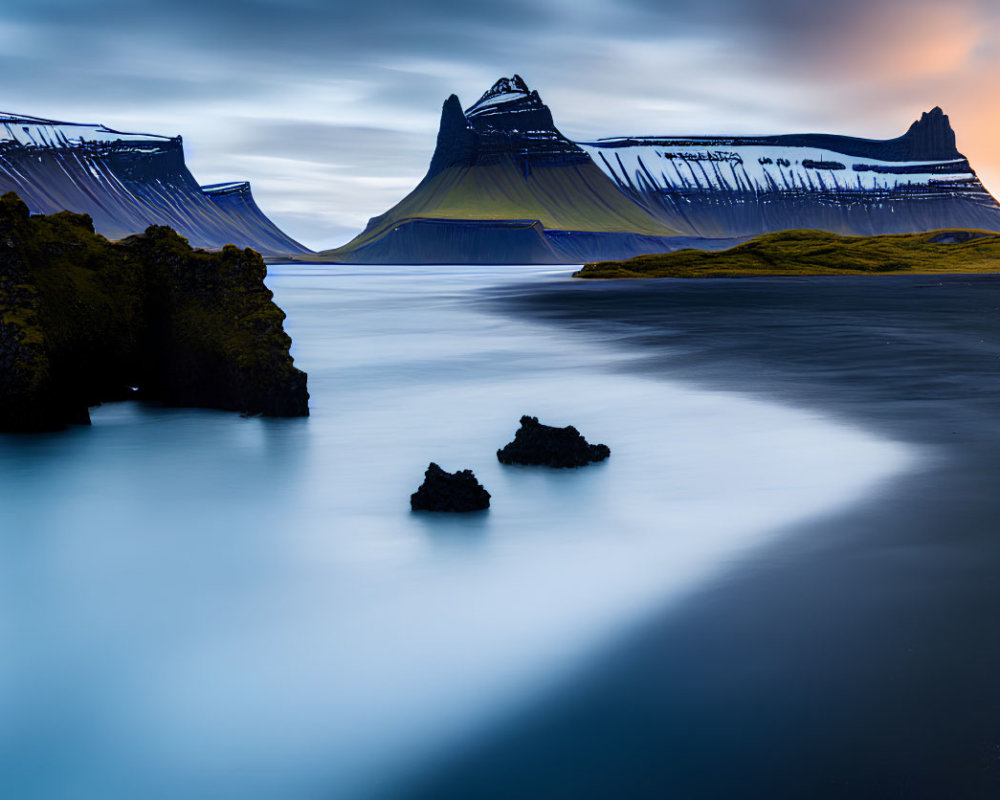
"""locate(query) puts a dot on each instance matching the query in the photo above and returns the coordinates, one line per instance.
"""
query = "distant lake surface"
(198, 605)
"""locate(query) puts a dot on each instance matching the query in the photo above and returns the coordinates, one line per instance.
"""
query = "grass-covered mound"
(573, 197)
(84, 320)
(805, 252)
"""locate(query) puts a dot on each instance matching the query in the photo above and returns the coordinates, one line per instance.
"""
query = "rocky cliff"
(84, 320)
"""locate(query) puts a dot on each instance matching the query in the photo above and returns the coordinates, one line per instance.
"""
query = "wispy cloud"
(330, 109)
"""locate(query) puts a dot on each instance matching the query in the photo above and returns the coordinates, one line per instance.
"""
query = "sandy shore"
(859, 656)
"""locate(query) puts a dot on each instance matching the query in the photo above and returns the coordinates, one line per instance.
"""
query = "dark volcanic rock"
(509, 121)
(456, 142)
(447, 491)
(535, 443)
(84, 319)
(931, 137)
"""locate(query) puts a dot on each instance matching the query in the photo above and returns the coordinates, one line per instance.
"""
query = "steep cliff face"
(741, 186)
(457, 141)
(511, 120)
(500, 161)
(126, 182)
(930, 138)
(83, 320)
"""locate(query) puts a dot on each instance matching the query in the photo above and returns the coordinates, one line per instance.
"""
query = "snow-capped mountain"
(127, 182)
(511, 120)
(738, 186)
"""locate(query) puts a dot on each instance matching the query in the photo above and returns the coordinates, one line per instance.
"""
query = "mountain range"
(506, 186)
(127, 182)
(738, 186)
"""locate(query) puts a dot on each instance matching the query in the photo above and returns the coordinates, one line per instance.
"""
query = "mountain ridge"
(126, 182)
(746, 185)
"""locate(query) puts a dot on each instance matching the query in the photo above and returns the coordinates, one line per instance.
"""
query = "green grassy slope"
(807, 252)
(574, 197)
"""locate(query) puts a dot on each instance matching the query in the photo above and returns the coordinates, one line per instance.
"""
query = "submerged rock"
(84, 320)
(538, 444)
(447, 491)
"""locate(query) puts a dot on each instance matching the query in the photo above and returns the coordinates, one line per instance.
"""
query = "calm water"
(856, 656)
(197, 605)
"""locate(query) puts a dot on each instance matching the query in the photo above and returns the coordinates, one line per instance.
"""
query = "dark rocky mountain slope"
(126, 182)
(742, 186)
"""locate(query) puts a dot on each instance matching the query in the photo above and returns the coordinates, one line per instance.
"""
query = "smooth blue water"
(193, 604)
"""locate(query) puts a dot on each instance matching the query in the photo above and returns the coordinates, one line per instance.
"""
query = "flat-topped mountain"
(126, 182)
(741, 186)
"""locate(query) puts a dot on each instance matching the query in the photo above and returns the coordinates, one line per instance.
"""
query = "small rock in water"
(448, 491)
(535, 443)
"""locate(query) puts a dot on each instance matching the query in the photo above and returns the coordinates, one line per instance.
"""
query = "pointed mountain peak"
(931, 136)
(456, 142)
(505, 94)
(935, 118)
(506, 86)
(512, 85)
(509, 121)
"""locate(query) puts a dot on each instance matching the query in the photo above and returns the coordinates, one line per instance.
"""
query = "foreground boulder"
(447, 491)
(538, 444)
(84, 320)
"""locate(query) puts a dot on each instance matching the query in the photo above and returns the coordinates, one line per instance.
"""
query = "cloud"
(347, 147)
(330, 109)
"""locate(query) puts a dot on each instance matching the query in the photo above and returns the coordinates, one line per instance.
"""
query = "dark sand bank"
(858, 657)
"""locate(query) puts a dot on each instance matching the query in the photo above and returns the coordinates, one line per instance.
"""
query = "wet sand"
(857, 657)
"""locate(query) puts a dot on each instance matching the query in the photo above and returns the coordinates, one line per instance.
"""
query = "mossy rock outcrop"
(84, 320)
(808, 252)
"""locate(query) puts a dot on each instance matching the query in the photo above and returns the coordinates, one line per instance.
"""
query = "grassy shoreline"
(811, 252)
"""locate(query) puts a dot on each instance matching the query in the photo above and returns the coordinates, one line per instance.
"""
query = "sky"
(330, 108)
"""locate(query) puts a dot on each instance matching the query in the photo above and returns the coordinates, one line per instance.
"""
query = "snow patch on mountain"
(38, 132)
(506, 96)
(661, 167)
